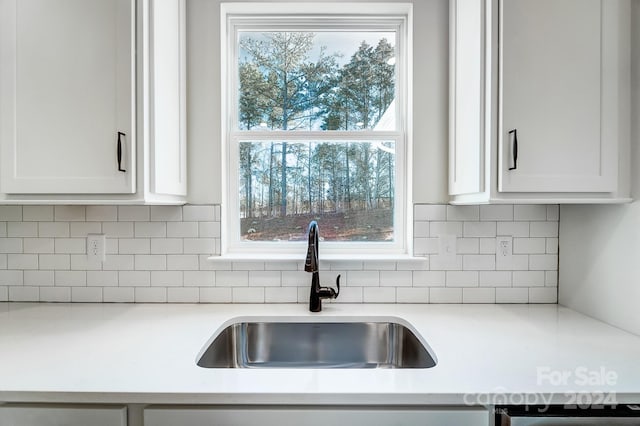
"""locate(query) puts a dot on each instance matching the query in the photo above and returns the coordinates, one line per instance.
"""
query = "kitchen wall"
(600, 245)
(430, 99)
(160, 254)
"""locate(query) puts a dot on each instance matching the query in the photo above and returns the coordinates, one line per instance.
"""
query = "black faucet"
(311, 264)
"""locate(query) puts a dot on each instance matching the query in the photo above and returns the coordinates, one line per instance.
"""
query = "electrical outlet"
(96, 247)
(504, 247)
(447, 248)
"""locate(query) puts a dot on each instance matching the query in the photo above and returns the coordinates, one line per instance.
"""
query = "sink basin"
(316, 344)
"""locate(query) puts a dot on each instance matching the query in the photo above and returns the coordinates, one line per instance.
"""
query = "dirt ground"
(365, 225)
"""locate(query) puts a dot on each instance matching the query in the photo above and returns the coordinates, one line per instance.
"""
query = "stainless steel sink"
(343, 344)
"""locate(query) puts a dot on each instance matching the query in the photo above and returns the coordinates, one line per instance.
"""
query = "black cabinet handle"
(514, 148)
(120, 169)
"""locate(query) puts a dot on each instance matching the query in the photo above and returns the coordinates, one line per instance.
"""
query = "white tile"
(81, 229)
(468, 245)
(4, 293)
(22, 229)
(199, 278)
(412, 295)
(396, 278)
(102, 278)
(421, 264)
(198, 213)
(512, 295)
(437, 229)
(543, 295)
(217, 213)
(210, 265)
(379, 265)
(86, 294)
(544, 229)
(182, 262)
(496, 212)
(38, 245)
(232, 278)
(552, 246)
(11, 213)
(183, 295)
(478, 262)
(478, 295)
(428, 278)
(462, 279)
(445, 295)
(247, 295)
(69, 213)
(295, 278)
(10, 245)
(479, 229)
(182, 229)
(215, 295)
(118, 294)
(551, 278)
(209, 229)
(199, 245)
(524, 212)
(53, 229)
(55, 294)
(379, 295)
(545, 262)
(133, 213)
(11, 278)
(487, 246)
(22, 261)
(421, 229)
(280, 295)
(264, 278)
(363, 278)
(118, 229)
(166, 245)
(428, 212)
(495, 278)
(54, 261)
(70, 278)
(280, 266)
(463, 213)
(70, 245)
(424, 246)
(444, 263)
(37, 213)
(118, 262)
(24, 294)
(134, 246)
(82, 262)
(529, 245)
(347, 295)
(134, 278)
(553, 212)
(166, 213)
(517, 262)
(150, 295)
(150, 229)
(3, 261)
(102, 213)
(528, 278)
(514, 229)
(38, 278)
(167, 279)
(3, 229)
(150, 262)
(247, 266)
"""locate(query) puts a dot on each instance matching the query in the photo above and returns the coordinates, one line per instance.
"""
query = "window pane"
(347, 186)
(324, 80)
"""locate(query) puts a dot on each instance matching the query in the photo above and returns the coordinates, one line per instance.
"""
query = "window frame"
(396, 17)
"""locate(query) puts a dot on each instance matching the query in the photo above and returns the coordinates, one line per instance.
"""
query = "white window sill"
(281, 257)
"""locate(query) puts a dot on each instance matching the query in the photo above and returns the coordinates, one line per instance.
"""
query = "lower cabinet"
(315, 416)
(63, 415)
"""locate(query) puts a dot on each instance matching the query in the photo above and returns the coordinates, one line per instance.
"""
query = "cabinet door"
(558, 89)
(66, 91)
(315, 416)
(36, 415)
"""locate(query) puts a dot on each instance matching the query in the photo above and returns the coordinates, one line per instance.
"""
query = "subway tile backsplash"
(158, 254)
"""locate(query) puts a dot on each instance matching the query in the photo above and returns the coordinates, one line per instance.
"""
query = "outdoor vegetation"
(289, 81)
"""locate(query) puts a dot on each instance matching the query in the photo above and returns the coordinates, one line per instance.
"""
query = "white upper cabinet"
(92, 101)
(544, 107)
(67, 96)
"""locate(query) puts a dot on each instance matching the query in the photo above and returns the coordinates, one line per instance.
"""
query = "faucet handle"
(338, 286)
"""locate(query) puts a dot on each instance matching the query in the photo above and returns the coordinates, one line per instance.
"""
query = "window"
(315, 119)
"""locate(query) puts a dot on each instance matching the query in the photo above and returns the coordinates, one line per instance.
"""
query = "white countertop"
(133, 353)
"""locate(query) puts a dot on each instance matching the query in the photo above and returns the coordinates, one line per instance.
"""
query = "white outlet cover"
(504, 246)
(447, 245)
(96, 247)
